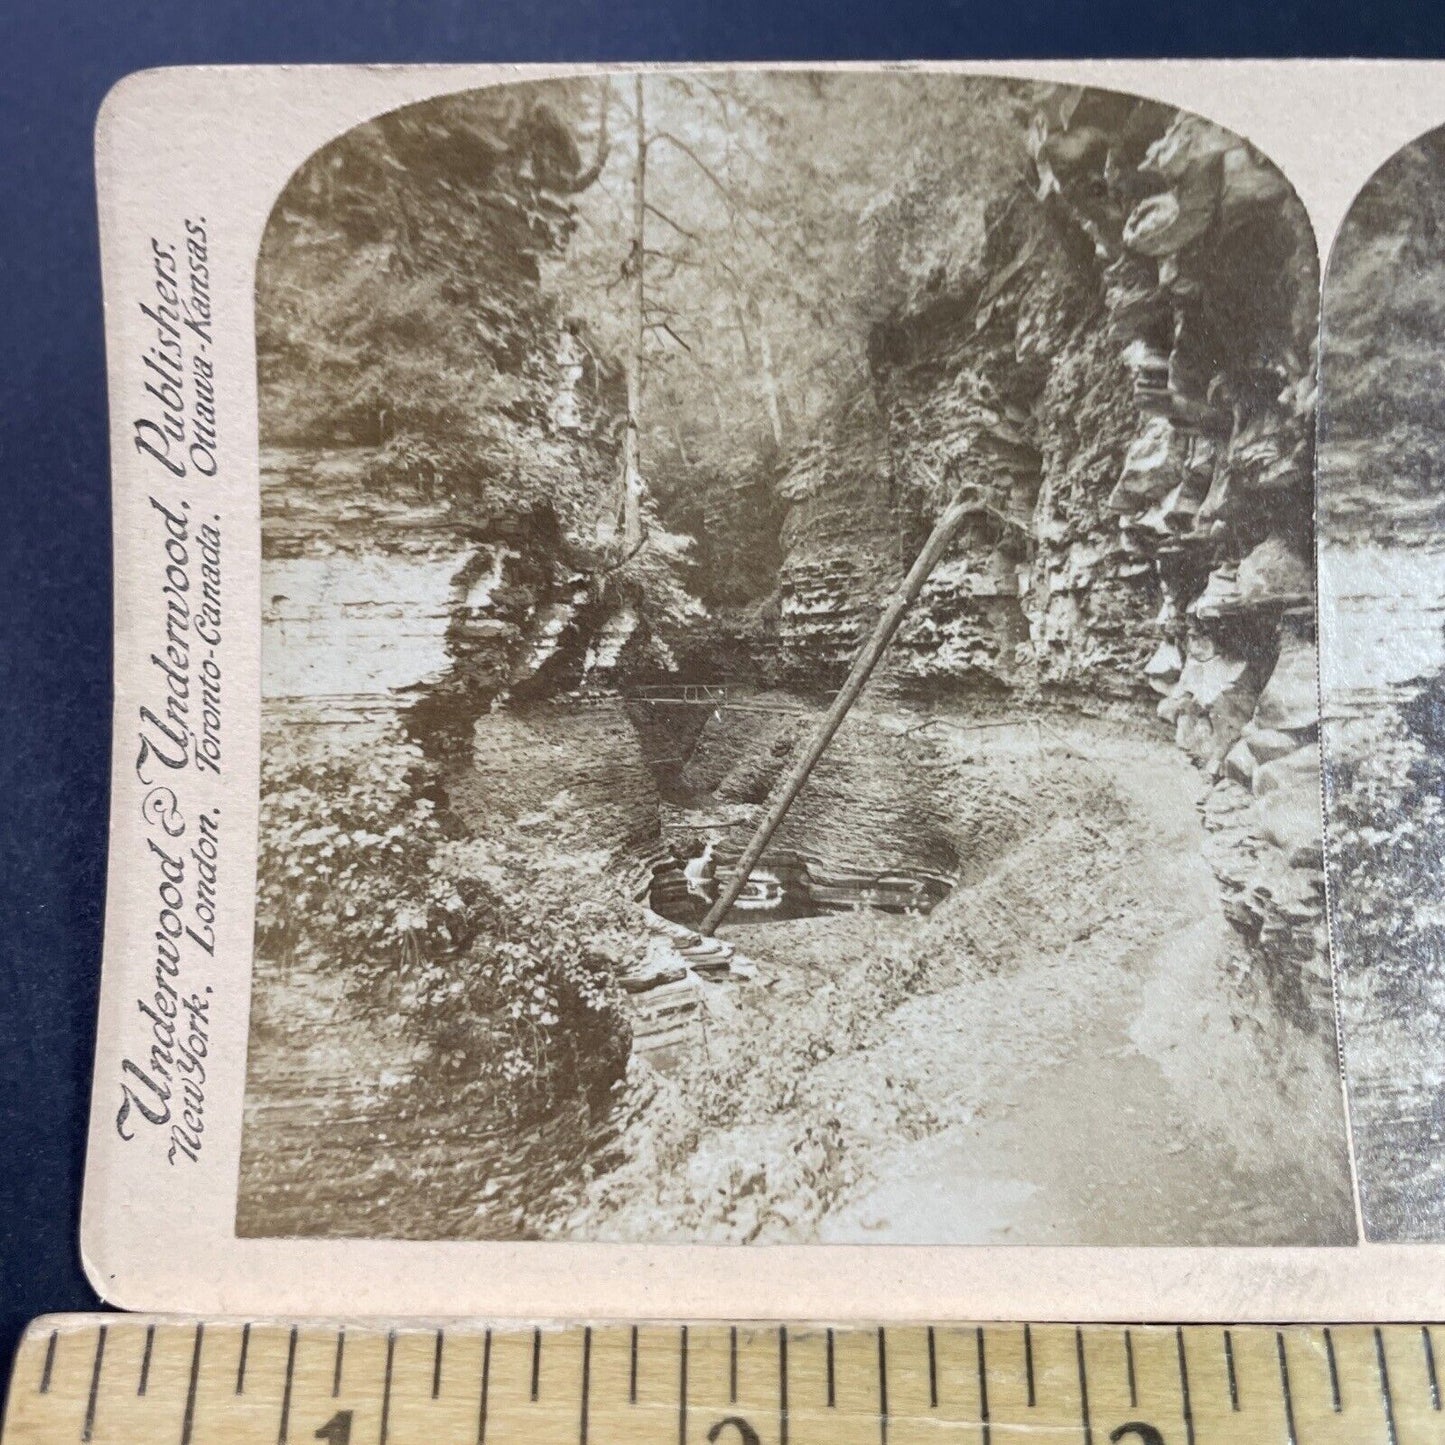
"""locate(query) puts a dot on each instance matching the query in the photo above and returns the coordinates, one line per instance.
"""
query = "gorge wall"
(1124, 390)
(439, 440)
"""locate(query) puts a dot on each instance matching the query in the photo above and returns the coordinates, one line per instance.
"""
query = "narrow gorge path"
(1078, 1051)
(1160, 1101)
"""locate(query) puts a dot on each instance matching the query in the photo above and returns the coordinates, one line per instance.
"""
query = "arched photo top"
(1381, 421)
(473, 196)
(755, 562)
(1382, 674)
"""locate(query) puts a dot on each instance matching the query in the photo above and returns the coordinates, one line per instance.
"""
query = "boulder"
(1229, 714)
(1163, 669)
(1221, 596)
(1248, 181)
(1189, 143)
(1288, 806)
(1290, 700)
(1172, 704)
(1266, 744)
(1179, 509)
(1216, 697)
(1222, 499)
(1165, 223)
(1240, 764)
(1270, 453)
(1274, 574)
(1152, 467)
(1207, 679)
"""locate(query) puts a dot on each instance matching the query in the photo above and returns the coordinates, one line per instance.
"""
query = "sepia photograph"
(1382, 563)
(789, 679)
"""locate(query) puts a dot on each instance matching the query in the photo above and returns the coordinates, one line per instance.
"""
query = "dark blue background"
(57, 61)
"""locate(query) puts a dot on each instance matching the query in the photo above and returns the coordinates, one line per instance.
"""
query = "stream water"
(951, 1104)
(785, 885)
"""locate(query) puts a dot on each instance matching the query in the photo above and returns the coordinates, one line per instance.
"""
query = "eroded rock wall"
(572, 777)
(1125, 394)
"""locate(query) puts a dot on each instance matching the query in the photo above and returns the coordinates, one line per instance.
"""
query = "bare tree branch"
(676, 226)
(722, 188)
(663, 326)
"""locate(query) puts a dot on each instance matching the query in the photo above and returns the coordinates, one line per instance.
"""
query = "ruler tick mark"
(832, 1396)
(1083, 1387)
(882, 1386)
(188, 1422)
(1186, 1407)
(632, 1368)
(682, 1388)
(984, 1425)
(1386, 1399)
(1429, 1345)
(49, 1362)
(145, 1360)
(1229, 1371)
(1129, 1369)
(90, 1403)
(386, 1385)
(284, 1428)
(241, 1363)
(932, 1370)
(436, 1367)
(783, 1385)
(536, 1362)
(336, 1368)
(732, 1365)
(1029, 1365)
(1290, 1434)
(1334, 1371)
(586, 1381)
(486, 1381)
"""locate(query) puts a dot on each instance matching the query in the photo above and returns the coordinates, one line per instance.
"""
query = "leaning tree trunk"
(632, 438)
(929, 558)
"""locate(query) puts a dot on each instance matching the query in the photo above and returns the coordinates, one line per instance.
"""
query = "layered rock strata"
(1125, 393)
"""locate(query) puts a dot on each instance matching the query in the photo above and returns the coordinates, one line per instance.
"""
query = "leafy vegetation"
(501, 969)
(398, 306)
(1388, 832)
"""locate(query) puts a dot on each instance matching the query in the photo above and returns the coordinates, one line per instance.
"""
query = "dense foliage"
(1388, 846)
(399, 308)
(447, 286)
(769, 258)
(502, 970)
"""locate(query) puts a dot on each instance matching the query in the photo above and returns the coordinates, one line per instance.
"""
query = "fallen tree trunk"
(943, 533)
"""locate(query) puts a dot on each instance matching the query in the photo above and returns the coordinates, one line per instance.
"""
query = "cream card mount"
(716, 692)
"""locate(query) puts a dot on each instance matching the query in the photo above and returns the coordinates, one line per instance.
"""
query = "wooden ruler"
(133, 1380)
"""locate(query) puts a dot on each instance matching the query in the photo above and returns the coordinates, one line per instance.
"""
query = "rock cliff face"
(438, 439)
(1125, 393)
(1381, 510)
(578, 773)
(378, 605)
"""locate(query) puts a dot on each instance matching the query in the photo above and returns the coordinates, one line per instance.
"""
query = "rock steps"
(665, 996)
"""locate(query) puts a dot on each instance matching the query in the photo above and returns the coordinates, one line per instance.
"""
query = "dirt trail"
(1070, 1050)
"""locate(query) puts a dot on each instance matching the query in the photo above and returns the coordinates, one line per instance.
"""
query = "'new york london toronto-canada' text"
(178, 739)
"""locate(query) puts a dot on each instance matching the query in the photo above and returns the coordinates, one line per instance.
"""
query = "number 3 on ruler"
(337, 1429)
